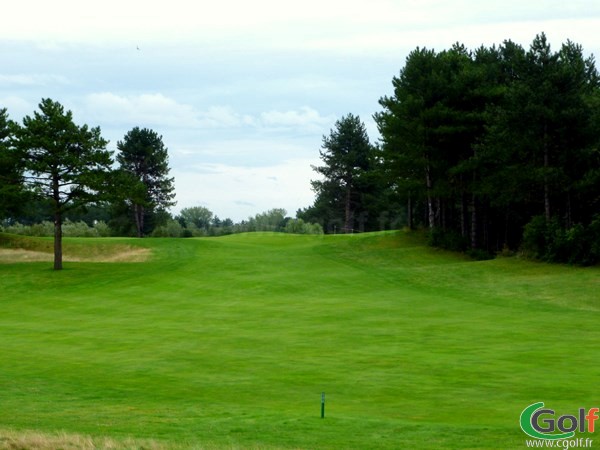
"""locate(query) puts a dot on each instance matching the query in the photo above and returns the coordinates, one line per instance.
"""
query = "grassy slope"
(230, 341)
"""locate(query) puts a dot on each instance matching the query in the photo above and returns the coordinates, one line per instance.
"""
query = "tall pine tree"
(146, 189)
(66, 164)
(347, 156)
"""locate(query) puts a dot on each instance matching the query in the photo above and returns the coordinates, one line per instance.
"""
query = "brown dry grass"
(33, 440)
(116, 254)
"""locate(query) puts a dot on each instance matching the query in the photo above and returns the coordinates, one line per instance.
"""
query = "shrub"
(550, 241)
(102, 228)
(45, 228)
(449, 240)
(535, 238)
(298, 226)
(480, 254)
(78, 229)
(171, 229)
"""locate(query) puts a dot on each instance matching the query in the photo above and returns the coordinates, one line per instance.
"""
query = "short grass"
(228, 343)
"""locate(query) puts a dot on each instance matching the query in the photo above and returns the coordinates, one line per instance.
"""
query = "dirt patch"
(126, 254)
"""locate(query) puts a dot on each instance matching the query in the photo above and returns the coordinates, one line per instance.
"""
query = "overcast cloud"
(242, 92)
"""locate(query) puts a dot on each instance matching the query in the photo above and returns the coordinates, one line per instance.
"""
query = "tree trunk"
(348, 212)
(409, 208)
(58, 241)
(463, 216)
(430, 211)
(474, 211)
(569, 211)
(57, 223)
(139, 219)
(546, 165)
(473, 223)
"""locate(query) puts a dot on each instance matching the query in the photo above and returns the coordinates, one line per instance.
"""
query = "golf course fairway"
(230, 342)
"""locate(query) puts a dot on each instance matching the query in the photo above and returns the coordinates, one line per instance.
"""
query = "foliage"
(64, 163)
(171, 229)
(144, 189)
(447, 239)
(347, 195)
(44, 228)
(70, 229)
(12, 194)
(299, 226)
(196, 218)
(479, 142)
(550, 241)
(271, 220)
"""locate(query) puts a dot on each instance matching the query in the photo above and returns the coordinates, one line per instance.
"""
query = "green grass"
(228, 343)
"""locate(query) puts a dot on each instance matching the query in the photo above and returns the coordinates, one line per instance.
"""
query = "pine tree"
(144, 166)
(64, 163)
(347, 155)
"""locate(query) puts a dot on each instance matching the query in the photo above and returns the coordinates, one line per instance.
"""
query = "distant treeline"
(197, 221)
(492, 149)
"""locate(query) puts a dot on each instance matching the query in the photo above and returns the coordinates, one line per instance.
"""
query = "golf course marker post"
(322, 405)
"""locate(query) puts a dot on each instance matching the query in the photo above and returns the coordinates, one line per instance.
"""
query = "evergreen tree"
(64, 163)
(146, 190)
(347, 155)
(12, 192)
(489, 139)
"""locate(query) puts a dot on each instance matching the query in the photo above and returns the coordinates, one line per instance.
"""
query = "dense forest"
(493, 149)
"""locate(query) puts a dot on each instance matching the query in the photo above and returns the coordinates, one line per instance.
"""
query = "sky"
(243, 92)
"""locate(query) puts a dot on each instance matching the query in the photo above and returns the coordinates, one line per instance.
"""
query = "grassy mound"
(229, 342)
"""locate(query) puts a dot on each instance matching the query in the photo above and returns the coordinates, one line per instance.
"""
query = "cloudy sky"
(243, 91)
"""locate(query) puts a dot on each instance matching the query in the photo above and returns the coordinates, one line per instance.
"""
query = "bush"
(298, 226)
(448, 240)
(480, 254)
(69, 229)
(78, 229)
(550, 241)
(102, 229)
(535, 238)
(171, 229)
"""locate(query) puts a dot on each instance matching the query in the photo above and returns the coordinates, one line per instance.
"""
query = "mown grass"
(228, 343)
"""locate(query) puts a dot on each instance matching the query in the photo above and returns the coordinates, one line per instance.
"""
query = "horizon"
(243, 94)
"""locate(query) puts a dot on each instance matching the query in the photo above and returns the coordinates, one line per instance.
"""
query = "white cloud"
(240, 192)
(306, 118)
(144, 109)
(28, 80)
(339, 24)
(159, 110)
(239, 88)
(17, 107)
(223, 116)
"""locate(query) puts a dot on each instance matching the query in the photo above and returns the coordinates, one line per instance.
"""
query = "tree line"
(51, 167)
(196, 221)
(492, 149)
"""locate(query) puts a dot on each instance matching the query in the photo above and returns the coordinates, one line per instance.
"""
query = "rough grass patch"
(15, 248)
(34, 440)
